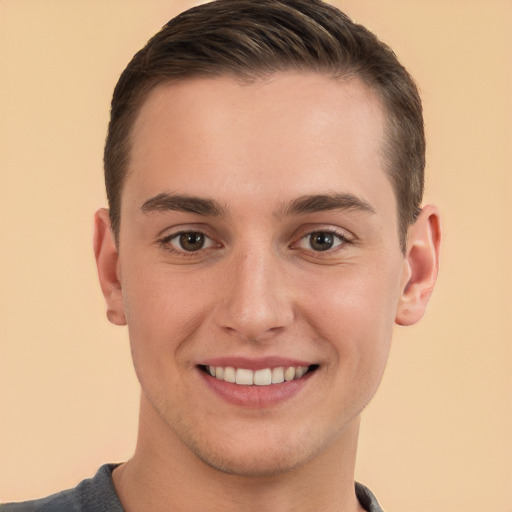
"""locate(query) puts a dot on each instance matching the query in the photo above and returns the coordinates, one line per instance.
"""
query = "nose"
(256, 301)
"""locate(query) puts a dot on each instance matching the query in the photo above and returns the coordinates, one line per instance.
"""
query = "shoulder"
(92, 495)
(65, 501)
(367, 499)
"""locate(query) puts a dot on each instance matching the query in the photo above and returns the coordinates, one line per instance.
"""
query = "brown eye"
(192, 241)
(188, 242)
(321, 241)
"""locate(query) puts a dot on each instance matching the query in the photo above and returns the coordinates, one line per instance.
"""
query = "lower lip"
(257, 397)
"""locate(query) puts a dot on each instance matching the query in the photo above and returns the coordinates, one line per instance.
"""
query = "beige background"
(438, 436)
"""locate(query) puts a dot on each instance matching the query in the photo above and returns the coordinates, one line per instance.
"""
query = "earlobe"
(421, 266)
(107, 260)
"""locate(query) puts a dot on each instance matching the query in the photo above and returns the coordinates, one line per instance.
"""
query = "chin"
(252, 465)
(253, 455)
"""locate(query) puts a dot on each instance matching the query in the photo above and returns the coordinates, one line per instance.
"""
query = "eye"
(321, 241)
(188, 241)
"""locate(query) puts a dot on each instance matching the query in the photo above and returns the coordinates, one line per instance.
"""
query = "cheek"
(354, 310)
(163, 311)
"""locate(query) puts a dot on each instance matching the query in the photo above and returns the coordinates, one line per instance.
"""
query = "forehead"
(288, 134)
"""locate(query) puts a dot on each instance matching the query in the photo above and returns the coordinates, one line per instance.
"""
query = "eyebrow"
(301, 205)
(326, 202)
(184, 203)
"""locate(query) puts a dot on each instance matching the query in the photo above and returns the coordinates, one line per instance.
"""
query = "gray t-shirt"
(98, 494)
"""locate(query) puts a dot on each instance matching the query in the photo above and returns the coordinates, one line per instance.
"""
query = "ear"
(107, 262)
(421, 266)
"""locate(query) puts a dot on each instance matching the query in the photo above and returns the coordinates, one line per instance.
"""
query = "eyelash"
(342, 238)
(166, 243)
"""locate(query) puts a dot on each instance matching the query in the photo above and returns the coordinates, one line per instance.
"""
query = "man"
(264, 171)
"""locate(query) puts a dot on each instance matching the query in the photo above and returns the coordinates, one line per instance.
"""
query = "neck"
(164, 474)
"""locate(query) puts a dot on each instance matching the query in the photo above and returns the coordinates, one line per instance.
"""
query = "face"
(259, 244)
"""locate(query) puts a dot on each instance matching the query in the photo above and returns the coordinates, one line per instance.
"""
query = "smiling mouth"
(262, 377)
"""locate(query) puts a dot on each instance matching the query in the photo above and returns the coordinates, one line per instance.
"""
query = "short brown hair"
(250, 39)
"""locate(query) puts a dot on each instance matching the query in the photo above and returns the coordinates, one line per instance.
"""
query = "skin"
(258, 288)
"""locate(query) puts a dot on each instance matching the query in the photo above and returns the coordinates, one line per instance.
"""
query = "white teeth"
(300, 371)
(245, 377)
(263, 377)
(289, 374)
(229, 374)
(277, 375)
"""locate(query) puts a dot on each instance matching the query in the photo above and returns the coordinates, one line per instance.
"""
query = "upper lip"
(254, 364)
